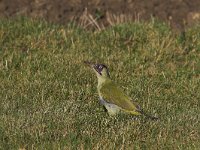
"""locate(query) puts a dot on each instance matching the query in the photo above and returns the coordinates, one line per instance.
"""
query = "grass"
(48, 97)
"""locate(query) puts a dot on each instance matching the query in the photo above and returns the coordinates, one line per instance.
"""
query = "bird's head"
(100, 69)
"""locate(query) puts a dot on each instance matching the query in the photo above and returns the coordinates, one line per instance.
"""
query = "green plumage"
(111, 96)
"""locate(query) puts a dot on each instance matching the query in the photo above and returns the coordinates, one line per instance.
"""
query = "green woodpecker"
(111, 96)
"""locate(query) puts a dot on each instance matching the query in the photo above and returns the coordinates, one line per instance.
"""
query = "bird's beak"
(92, 65)
(89, 64)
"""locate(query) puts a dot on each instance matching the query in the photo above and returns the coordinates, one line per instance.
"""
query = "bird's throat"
(103, 80)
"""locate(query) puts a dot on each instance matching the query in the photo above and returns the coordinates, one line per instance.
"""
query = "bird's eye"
(100, 67)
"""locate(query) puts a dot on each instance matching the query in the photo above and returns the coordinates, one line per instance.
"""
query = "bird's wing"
(113, 94)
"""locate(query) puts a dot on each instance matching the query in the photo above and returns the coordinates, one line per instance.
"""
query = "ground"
(48, 97)
(177, 13)
(49, 100)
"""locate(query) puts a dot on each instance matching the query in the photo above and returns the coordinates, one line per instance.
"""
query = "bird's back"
(112, 94)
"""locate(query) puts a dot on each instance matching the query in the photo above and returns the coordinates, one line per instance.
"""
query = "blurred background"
(101, 13)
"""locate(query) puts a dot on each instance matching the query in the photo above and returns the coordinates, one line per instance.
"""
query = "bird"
(111, 96)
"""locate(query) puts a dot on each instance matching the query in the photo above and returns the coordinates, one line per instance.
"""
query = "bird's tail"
(148, 115)
(139, 111)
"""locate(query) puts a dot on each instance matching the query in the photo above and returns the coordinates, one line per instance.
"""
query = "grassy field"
(48, 97)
